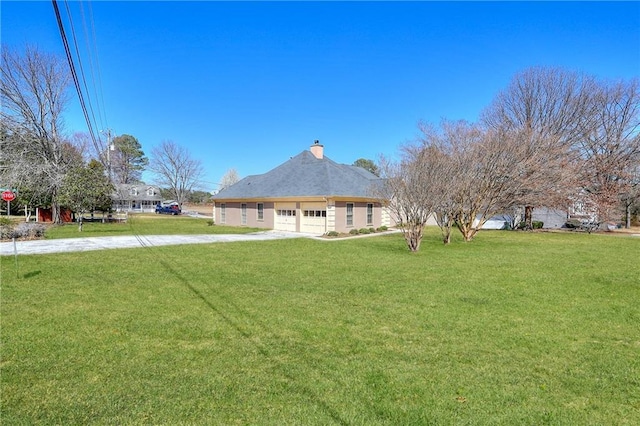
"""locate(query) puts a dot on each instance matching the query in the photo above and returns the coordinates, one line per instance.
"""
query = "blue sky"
(247, 85)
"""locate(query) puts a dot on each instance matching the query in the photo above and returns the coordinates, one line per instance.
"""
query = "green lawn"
(512, 329)
(145, 224)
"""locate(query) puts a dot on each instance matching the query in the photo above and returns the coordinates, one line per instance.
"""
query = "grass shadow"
(31, 274)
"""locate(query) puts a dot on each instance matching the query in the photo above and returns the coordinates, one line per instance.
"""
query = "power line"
(75, 43)
(74, 75)
(94, 63)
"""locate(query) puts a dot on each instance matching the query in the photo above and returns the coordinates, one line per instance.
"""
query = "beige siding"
(234, 214)
(359, 216)
(335, 219)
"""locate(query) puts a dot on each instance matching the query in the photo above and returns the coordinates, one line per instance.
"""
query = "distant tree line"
(553, 138)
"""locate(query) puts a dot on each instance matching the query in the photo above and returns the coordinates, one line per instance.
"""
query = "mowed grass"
(145, 224)
(512, 329)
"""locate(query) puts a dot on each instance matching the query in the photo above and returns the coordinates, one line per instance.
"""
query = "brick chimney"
(317, 150)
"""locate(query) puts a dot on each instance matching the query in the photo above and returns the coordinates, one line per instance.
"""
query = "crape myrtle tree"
(411, 187)
(33, 94)
(459, 172)
(175, 170)
(546, 109)
(443, 182)
(484, 167)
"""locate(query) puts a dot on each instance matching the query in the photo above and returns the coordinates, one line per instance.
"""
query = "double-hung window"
(370, 214)
(349, 214)
(223, 213)
(243, 218)
(260, 212)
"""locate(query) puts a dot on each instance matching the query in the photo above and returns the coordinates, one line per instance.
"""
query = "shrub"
(382, 228)
(364, 231)
(535, 224)
(372, 230)
(211, 223)
(573, 223)
(5, 221)
(6, 230)
(332, 234)
(28, 231)
(353, 232)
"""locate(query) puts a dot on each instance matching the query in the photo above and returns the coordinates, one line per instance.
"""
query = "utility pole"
(110, 147)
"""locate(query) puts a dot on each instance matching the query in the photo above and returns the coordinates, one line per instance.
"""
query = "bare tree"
(483, 167)
(229, 178)
(631, 199)
(483, 173)
(443, 182)
(610, 149)
(33, 95)
(458, 171)
(415, 187)
(100, 148)
(175, 169)
(546, 109)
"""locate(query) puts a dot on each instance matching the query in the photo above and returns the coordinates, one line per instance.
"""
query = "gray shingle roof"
(124, 192)
(305, 176)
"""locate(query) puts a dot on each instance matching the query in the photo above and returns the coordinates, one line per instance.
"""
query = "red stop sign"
(8, 195)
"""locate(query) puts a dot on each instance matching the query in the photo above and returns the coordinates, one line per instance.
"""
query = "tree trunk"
(413, 237)
(468, 236)
(445, 225)
(528, 217)
(446, 235)
(466, 229)
(55, 213)
(627, 214)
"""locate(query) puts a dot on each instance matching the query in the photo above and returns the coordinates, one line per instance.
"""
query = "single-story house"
(309, 193)
(136, 198)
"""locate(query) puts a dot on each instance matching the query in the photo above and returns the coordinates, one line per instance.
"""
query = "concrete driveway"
(67, 245)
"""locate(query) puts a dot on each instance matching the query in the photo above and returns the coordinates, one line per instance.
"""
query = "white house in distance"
(139, 198)
(309, 193)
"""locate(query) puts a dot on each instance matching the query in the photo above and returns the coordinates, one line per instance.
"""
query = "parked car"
(173, 209)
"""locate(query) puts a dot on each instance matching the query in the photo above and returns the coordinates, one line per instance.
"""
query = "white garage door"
(313, 219)
(285, 219)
